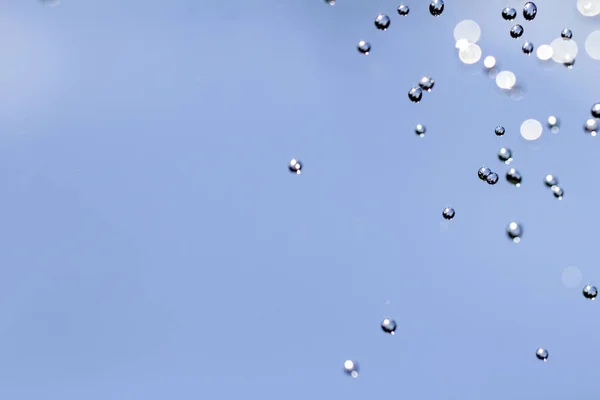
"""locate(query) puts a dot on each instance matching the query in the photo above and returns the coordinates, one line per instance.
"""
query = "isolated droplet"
(351, 368)
(509, 13)
(492, 178)
(436, 8)
(403, 9)
(529, 11)
(595, 110)
(470, 54)
(564, 51)
(295, 166)
(388, 325)
(514, 231)
(591, 126)
(499, 131)
(415, 94)
(468, 30)
(550, 180)
(542, 354)
(558, 192)
(588, 8)
(426, 83)
(516, 31)
(553, 123)
(527, 48)
(592, 45)
(513, 176)
(544, 52)
(448, 213)
(590, 292)
(531, 129)
(420, 130)
(364, 47)
(382, 22)
(483, 173)
(505, 155)
(566, 34)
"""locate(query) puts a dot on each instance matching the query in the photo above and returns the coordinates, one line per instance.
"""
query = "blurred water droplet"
(531, 129)
(564, 51)
(558, 192)
(470, 54)
(571, 277)
(364, 47)
(483, 173)
(544, 52)
(588, 8)
(591, 126)
(426, 83)
(566, 34)
(448, 213)
(403, 9)
(553, 124)
(468, 30)
(527, 48)
(436, 8)
(492, 178)
(415, 94)
(489, 62)
(382, 22)
(516, 31)
(514, 231)
(542, 354)
(595, 110)
(499, 131)
(351, 368)
(388, 325)
(506, 80)
(529, 11)
(590, 292)
(513, 176)
(509, 13)
(295, 166)
(505, 155)
(592, 45)
(420, 130)
(550, 180)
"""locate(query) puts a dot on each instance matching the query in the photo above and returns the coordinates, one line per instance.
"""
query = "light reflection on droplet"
(531, 129)
(592, 45)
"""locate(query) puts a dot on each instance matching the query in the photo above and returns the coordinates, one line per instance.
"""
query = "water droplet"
(448, 213)
(569, 64)
(590, 292)
(564, 51)
(531, 129)
(529, 11)
(542, 354)
(592, 45)
(415, 94)
(566, 34)
(588, 8)
(489, 62)
(595, 110)
(516, 31)
(330, 2)
(506, 80)
(295, 166)
(364, 47)
(513, 176)
(492, 178)
(483, 173)
(550, 180)
(469, 54)
(505, 155)
(426, 83)
(436, 8)
(557, 191)
(545, 52)
(382, 22)
(351, 368)
(591, 126)
(389, 326)
(403, 9)
(527, 48)
(514, 231)
(499, 131)
(420, 130)
(468, 30)
(509, 13)
(553, 123)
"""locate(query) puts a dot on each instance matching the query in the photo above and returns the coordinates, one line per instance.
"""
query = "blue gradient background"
(154, 245)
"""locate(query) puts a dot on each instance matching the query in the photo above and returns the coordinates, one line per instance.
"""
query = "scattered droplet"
(557, 191)
(426, 83)
(542, 354)
(569, 64)
(550, 180)
(351, 368)
(364, 47)
(527, 48)
(499, 131)
(595, 110)
(448, 213)
(513, 176)
(588, 8)
(591, 126)
(590, 292)
(566, 34)
(382, 22)
(468, 30)
(295, 166)
(420, 130)
(529, 11)
(389, 326)
(509, 13)
(531, 129)
(415, 94)
(553, 123)
(483, 173)
(436, 8)
(514, 231)
(492, 178)
(403, 9)
(505, 155)
(516, 31)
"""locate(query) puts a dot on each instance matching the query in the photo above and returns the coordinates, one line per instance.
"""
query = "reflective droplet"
(364, 47)
(514, 231)
(566, 34)
(590, 292)
(483, 173)
(529, 11)
(569, 64)
(550, 180)
(527, 48)
(542, 354)
(516, 31)
(403, 9)
(595, 110)
(513, 176)
(436, 8)
(492, 178)
(415, 94)
(499, 131)
(468, 30)
(351, 368)
(588, 8)
(448, 213)
(420, 130)
(509, 13)
(553, 123)
(506, 80)
(388, 325)
(531, 129)
(592, 45)
(505, 155)
(426, 83)
(295, 166)
(564, 51)
(591, 126)
(382, 22)
(558, 192)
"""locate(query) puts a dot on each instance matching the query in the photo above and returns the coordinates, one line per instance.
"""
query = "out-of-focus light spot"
(544, 52)
(571, 277)
(564, 51)
(588, 8)
(489, 62)
(531, 129)
(592, 45)
(516, 93)
(462, 44)
(468, 30)
(471, 54)
(506, 80)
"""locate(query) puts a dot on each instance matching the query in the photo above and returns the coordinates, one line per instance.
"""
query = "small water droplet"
(448, 213)
(516, 31)
(499, 131)
(590, 292)
(527, 48)
(388, 325)
(591, 126)
(382, 22)
(553, 124)
(295, 166)
(364, 47)
(426, 83)
(513, 176)
(403, 9)
(483, 173)
(420, 130)
(505, 155)
(558, 192)
(330, 2)
(569, 64)
(492, 178)
(509, 13)
(550, 180)
(415, 94)
(542, 354)
(514, 231)
(351, 368)
(436, 8)
(566, 34)
(595, 110)
(529, 11)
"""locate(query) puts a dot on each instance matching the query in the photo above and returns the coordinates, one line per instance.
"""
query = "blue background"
(155, 246)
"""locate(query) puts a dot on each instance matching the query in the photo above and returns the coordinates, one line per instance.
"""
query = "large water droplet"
(558, 192)
(436, 8)
(590, 292)
(499, 131)
(529, 11)
(566, 34)
(351, 368)
(527, 48)
(415, 94)
(483, 173)
(492, 178)
(364, 47)
(509, 13)
(403, 9)
(420, 130)
(388, 325)
(591, 126)
(513, 176)
(542, 354)
(382, 22)
(448, 213)
(516, 31)
(550, 180)
(295, 166)
(505, 155)
(595, 110)
(426, 83)
(514, 231)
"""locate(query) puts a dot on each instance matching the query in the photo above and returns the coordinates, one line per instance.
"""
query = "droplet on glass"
(415, 94)
(420, 130)
(569, 64)
(514, 231)
(516, 31)
(550, 180)
(557, 191)
(529, 11)
(483, 173)
(351, 368)
(403, 9)
(513, 176)
(295, 166)
(436, 8)
(382, 22)
(388, 325)
(364, 47)
(426, 83)
(499, 131)
(509, 13)
(566, 34)
(448, 213)
(505, 155)
(553, 123)
(542, 354)
(591, 126)
(492, 178)
(527, 48)
(590, 292)
(595, 110)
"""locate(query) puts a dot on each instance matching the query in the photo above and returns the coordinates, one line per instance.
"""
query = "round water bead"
(295, 166)
(448, 213)
(415, 94)
(426, 83)
(388, 325)
(595, 110)
(550, 180)
(553, 123)
(527, 48)
(557, 191)
(566, 34)
(483, 173)
(403, 9)
(364, 47)
(509, 13)
(542, 354)
(492, 178)
(529, 11)
(499, 131)
(351, 368)
(382, 22)
(513, 176)
(505, 155)
(591, 126)
(420, 130)
(514, 231)
(436, 8)
(516, 31)
(590, 292)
